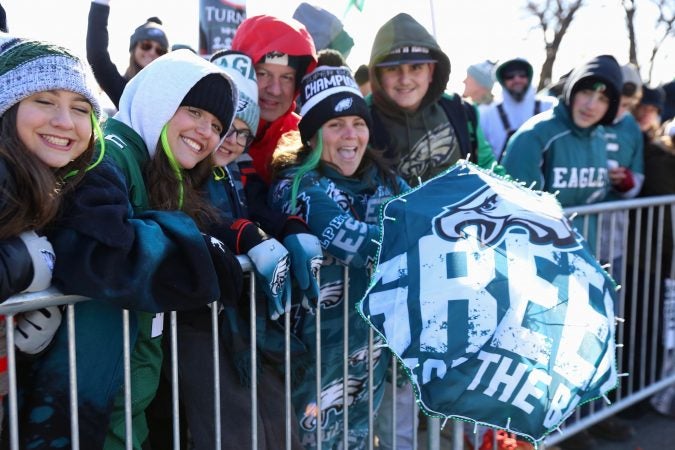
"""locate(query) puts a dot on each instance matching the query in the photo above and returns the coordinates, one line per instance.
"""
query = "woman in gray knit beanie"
(48, 121)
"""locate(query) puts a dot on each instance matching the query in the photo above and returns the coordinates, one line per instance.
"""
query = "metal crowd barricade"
(640, 338)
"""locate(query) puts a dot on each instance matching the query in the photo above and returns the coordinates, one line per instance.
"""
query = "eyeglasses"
(242, 137)
(512, 75)
(148, 45)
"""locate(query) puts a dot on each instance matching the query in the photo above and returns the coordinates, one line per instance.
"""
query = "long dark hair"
(134, 67)
(168, 193)
(33, 197)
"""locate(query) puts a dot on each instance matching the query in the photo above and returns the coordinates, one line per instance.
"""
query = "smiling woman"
(334, 178)
(48, 116)
(55, 126)
(142, 212)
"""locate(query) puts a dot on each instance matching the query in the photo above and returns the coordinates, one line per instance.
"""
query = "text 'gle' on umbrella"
(494, 304)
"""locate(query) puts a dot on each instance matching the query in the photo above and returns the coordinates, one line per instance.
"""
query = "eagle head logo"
(492, 210)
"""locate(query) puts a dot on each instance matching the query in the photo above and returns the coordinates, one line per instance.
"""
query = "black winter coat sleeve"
(269, 219)
(153, 261)
(16, 267)
(105, 71)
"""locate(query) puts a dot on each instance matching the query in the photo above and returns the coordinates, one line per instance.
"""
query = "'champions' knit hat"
(242, 71)
(28, 67)
(326, 93)
(482, 73)
(212, 94)
(151, 30)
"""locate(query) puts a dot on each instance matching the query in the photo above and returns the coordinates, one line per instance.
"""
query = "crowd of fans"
(260, 152)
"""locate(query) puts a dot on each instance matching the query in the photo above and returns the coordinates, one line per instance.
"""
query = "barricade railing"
(622, 230)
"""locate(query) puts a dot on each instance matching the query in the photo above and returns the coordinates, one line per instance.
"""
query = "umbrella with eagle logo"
(493, 303)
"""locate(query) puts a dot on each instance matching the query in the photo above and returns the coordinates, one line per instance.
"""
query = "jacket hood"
(260, 35)
(152, 97)
(513, 62)
(401, 31)
(606, 69)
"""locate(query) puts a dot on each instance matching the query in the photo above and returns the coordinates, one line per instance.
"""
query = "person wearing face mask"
(518, 103)
(147, 43)
(331, 177)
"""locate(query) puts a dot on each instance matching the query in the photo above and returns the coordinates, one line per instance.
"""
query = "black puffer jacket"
(16, 266)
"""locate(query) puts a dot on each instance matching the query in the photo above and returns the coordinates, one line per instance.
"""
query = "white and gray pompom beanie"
(242, 71)
(29, 66)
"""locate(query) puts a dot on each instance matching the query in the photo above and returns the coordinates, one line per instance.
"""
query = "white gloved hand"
(34, 330)
(42, 255)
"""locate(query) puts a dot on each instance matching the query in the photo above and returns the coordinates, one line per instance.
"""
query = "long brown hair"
(134, 67)
(33, 196)
(164, 189)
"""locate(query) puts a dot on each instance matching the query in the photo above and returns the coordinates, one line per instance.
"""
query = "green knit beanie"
(28, 67)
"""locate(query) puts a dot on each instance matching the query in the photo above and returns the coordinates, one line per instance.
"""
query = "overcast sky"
(468, 30)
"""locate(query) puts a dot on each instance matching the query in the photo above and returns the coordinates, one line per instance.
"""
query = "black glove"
(228, 269)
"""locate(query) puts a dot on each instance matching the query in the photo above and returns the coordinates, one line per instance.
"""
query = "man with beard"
(519, 102)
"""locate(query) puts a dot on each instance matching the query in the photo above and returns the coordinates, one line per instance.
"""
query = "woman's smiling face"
(344, 142)
(193, 134)
(55, 126)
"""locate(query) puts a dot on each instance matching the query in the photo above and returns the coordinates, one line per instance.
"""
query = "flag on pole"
(357, 3)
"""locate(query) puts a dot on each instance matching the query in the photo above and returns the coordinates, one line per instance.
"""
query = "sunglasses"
(148, 45)
(512, 75)
(242, 137)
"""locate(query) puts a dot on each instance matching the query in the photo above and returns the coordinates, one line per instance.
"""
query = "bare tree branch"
(629, 7)
(556, 17)
(666, 24)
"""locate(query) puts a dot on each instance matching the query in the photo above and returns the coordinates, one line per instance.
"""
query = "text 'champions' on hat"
(326, 93)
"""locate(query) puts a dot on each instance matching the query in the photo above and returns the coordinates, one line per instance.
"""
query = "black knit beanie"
(213, 94)
(327, 93)
(653, 96)
(151, 30)
(601, 84)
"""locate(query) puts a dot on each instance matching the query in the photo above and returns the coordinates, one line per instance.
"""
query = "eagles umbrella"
(494, 304)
